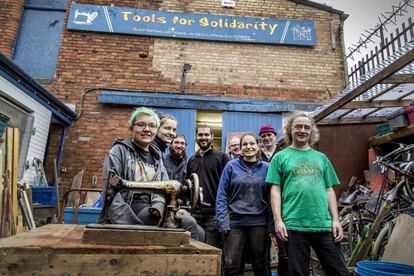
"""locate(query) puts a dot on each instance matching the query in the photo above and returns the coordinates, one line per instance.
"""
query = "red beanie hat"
(267, 129)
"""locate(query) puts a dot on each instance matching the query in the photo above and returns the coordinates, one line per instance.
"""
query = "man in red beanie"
(268, 135)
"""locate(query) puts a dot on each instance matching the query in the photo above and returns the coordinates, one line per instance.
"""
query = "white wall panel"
(42, 117)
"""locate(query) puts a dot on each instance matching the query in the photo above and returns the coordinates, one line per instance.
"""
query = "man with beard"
(175, 161)
(268, 135)
(208, 164)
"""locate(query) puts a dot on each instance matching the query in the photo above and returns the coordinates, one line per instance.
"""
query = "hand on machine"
(180, 198)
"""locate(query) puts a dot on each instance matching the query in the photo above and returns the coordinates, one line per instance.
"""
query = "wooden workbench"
(58, 249)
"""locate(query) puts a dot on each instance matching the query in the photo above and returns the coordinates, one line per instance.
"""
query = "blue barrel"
(371, 268)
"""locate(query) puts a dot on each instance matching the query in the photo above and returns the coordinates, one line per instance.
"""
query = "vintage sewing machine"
(178, 196)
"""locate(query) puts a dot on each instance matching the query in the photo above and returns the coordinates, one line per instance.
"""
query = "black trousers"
(298, 251)
(256, 239)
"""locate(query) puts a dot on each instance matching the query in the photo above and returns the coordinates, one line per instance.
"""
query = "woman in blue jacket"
(242, 209)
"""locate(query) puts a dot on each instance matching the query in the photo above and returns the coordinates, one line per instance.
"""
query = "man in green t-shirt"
(304, 202)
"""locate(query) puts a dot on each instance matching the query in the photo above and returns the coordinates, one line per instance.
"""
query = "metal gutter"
(34, 89)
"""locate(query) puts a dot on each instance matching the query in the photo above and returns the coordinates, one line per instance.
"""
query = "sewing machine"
(178, 196)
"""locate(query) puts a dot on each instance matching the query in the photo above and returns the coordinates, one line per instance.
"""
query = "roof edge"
(25, 79)
(324, 7)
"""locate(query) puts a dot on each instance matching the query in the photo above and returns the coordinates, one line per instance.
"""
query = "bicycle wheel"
(350, 239)
(382, 240)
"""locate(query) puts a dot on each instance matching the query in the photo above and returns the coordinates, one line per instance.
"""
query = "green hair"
(143, 111)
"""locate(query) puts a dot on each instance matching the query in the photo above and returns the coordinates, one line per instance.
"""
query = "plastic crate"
(85, 215)
(44, 195)
(410, 114)
(397, 119)
(383, 128)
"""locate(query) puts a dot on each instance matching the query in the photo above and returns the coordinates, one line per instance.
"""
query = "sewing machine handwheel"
(194, 188)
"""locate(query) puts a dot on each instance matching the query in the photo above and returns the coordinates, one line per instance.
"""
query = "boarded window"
(38, 40)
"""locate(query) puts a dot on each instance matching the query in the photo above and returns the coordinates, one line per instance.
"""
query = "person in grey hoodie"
(138, 159)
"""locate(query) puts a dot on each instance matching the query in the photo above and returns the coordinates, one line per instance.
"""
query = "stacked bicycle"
(368, 218)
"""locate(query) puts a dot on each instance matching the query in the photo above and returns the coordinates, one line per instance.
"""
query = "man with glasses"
(304, 202)
(138, 159)
(268, 135)
(234, 148)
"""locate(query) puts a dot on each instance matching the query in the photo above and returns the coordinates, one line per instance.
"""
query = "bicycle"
(403, 186)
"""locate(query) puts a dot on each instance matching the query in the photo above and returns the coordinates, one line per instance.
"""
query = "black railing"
(388, 46)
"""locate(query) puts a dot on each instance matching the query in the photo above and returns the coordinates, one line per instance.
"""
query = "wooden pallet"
(58, 249)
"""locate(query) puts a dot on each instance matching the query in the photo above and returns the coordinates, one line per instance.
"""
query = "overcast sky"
(363, 15)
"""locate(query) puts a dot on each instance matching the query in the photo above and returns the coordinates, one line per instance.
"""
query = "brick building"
(234, 85)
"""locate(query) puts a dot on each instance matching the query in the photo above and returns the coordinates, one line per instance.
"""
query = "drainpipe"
(62, 140)
(342, 41)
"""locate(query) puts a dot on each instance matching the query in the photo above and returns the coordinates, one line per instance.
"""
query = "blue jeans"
(256, 238)
(328, 252)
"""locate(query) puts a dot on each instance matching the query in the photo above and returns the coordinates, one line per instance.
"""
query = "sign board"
(114, 19)
(228, 3)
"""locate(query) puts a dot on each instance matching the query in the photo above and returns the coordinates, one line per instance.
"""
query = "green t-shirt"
(304, 176)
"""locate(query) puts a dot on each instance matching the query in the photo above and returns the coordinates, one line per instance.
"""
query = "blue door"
(249, 122)
(186, 124)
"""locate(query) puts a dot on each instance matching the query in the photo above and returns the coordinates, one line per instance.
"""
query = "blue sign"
(191, 26)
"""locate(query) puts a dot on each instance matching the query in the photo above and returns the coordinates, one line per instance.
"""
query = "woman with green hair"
(138, 159)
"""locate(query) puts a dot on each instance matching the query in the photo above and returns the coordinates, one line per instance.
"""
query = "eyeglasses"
(143, 125)
(235, 146)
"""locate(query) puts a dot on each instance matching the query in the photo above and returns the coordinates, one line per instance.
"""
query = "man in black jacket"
(208, 164)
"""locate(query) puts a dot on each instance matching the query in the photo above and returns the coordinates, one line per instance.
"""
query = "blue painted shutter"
(186, 124)
(38, 40)
(249, 122)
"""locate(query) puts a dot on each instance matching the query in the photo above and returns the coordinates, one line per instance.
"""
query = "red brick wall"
(242, 70)
(10, 13)
(347, 148)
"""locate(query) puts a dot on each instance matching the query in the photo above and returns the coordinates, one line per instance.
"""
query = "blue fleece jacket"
(242, 196)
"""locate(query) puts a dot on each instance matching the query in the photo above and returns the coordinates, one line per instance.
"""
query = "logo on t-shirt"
(305, 172)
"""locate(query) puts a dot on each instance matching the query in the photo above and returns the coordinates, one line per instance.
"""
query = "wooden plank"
(135, 237)
(1, 176)
(399, 79)
(369, 120)
(56, 249)
(110, 264)
(14, 172)
(394, 67)
(76, 184)
(401, 243)
(376, 104)
(29, 208)
(9, 168)
(399, 133)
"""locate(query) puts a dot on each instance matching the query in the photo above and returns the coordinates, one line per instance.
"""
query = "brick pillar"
(10, 14)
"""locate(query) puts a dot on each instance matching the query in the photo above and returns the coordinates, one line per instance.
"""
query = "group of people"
(249, 193)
